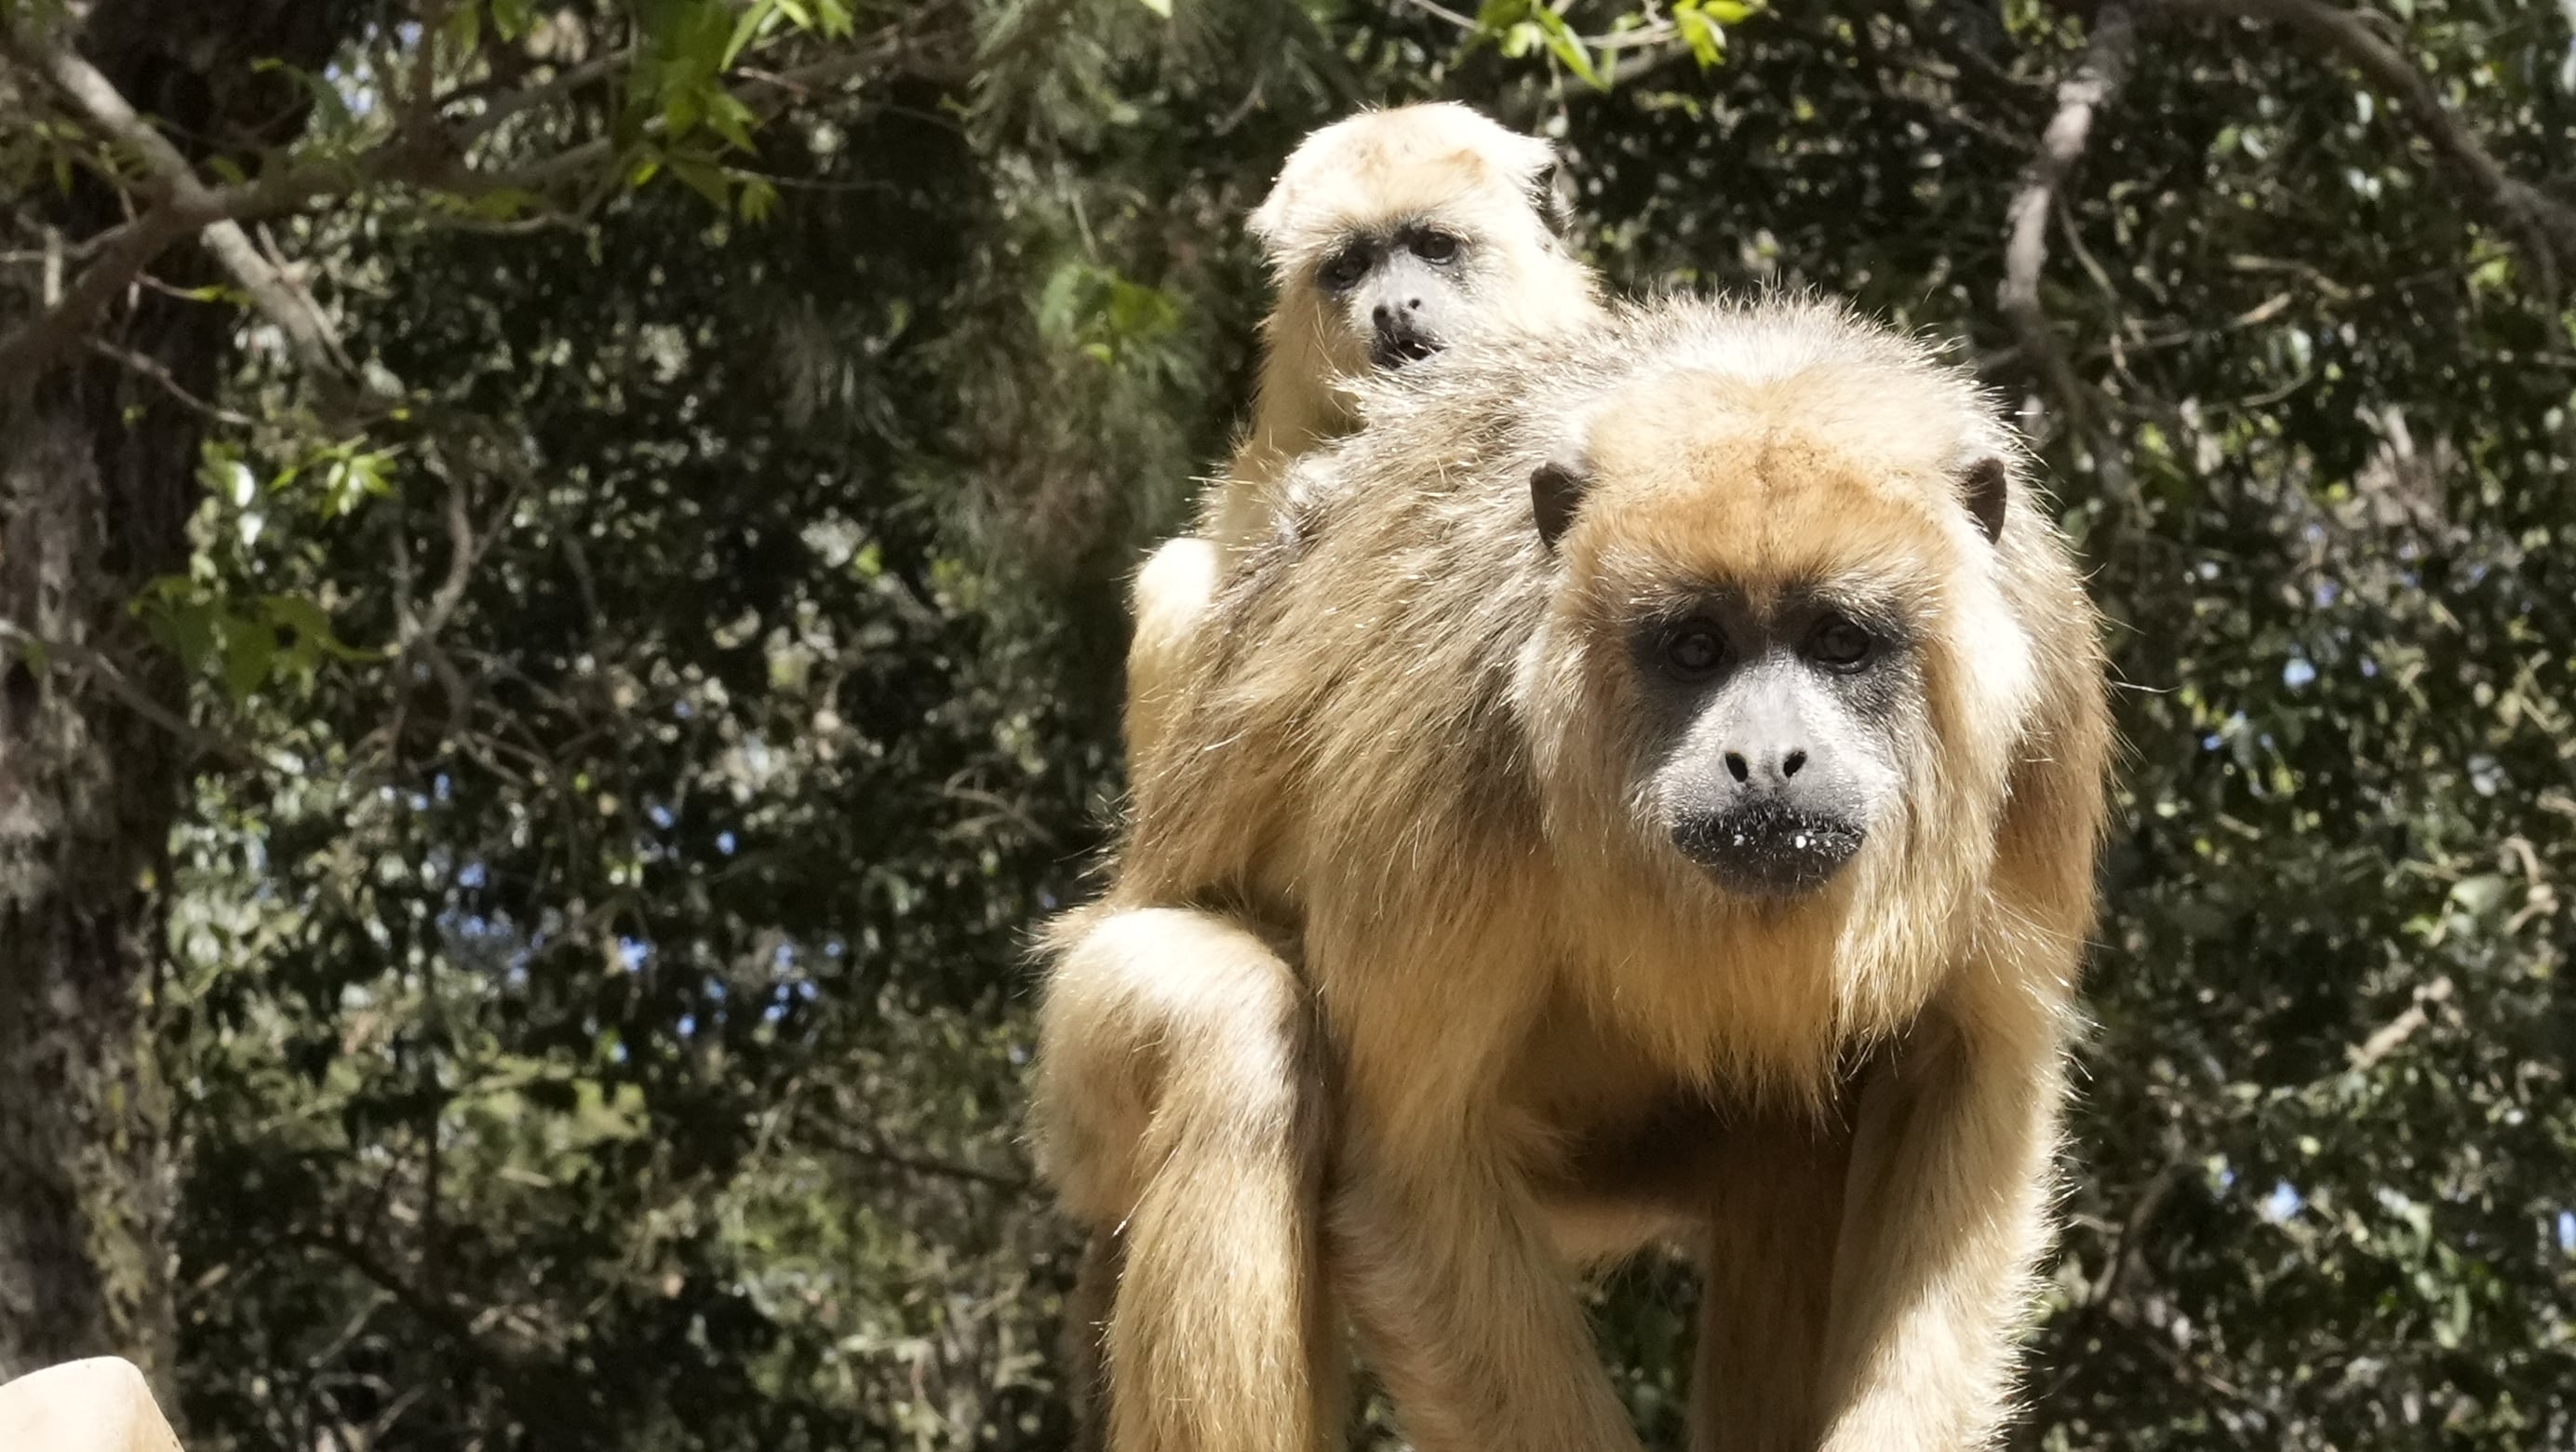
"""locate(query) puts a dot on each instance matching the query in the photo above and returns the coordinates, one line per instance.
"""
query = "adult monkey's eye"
(1840, 645)
(1344, 269)
(1435, 246)
(1693, 649)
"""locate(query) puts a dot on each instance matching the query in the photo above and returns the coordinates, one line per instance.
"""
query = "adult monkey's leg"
(1179, 1104)
(1775, 1198)
(1466, 1309)
(1946, 1218)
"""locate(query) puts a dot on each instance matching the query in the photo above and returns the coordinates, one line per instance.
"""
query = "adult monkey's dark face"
(1779, 716)
(1768, 607)
(1406, 291)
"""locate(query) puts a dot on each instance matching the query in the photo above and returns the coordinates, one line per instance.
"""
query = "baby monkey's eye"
(1693, 649)
(1840, 645)
(1435, 246)
(1343, 270)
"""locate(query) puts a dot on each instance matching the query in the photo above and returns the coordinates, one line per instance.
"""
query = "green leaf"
(703, 177)
(682, 110)
(1706, 41)
(758, 199)
(353, 479)
(311, 625)
(1162, 8)
(179, 619)
(329, 105)
(502, 203)
(1567, 46)
(748, 27)
(250, 647)
(465, 26)
(729, 118)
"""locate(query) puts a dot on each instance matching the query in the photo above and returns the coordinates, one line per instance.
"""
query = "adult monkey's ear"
(1556, 491)
(1986, 487)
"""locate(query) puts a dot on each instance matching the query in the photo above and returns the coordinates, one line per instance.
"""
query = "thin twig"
(867, 1148)
(153, 370)
(2546, 225)
(2081, 97)
(563, 83)
(104, 671)
(2126, 1248)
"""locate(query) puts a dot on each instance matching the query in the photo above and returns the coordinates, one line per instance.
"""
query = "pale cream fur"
(1437, 164)
(1412, 738)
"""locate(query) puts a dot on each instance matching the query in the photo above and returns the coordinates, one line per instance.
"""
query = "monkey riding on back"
(1391, 235)
(1652, 795)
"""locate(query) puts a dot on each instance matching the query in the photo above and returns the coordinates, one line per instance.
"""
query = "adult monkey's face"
(1779, 711)
(1781, 606)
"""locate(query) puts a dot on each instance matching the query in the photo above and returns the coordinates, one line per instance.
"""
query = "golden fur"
(1177, 1065)
(1413, 740)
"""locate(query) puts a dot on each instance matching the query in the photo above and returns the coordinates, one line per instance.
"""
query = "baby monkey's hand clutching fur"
(1680, 760)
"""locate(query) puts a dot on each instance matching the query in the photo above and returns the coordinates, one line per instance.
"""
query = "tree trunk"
(91, 507)
(98, 478)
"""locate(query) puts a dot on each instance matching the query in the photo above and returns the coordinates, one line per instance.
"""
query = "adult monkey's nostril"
(1789, 764)
(1736, 768)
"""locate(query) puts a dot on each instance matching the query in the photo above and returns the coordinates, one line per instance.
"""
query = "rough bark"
(91, 506)
(97, 482)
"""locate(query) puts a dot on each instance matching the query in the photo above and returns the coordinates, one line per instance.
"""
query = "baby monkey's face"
(1406, 289)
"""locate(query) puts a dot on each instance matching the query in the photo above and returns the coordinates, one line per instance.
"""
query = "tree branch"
(500, 109)
(2546, 226)
(37, 344)
(422, 151)
(152, 369)
(104, 671)
(867, 1147)
(2081, 97)
(185, 205)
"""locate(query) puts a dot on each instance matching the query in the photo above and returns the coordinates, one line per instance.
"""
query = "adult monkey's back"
(1684, 761)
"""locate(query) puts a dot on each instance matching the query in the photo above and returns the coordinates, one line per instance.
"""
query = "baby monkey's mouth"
(1393, 348)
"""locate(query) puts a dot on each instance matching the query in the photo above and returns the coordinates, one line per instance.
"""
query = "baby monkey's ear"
(1986, 486)
(1557, 488)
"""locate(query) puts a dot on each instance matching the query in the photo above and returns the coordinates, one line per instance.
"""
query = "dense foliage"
(646, 694)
